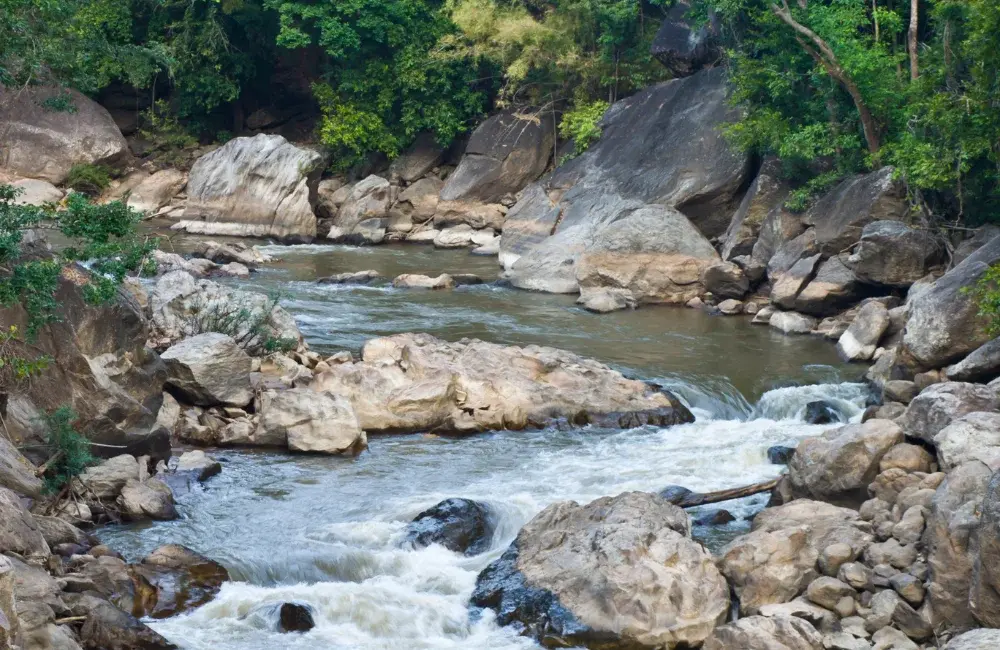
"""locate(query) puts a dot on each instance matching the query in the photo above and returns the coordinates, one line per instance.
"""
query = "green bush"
(70, 451)
(249, 327)
(581, 125)
(60, 103)
(986, 293)
(166, 135)
(89, 179)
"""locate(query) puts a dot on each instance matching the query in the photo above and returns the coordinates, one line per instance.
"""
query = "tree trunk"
(704, 498)
(914, 24)
(824, 55)
(875, 18)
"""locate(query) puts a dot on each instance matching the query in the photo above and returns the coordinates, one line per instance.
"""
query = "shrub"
(986, 293)
(89, 179)
(70, 450)
(59, 103)
(248, 326)
(581, 125)
(167, 136)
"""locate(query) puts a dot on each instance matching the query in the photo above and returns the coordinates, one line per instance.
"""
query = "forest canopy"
(832, 87)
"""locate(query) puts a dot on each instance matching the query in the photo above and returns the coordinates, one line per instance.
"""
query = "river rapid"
(328, 531)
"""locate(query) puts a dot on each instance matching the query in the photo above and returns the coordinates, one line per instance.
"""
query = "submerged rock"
(174, 579)
(619, 573)
(822, 412)
(779, 455)
(460, 525)
(356, 277)
(415, 382)
(295, 617)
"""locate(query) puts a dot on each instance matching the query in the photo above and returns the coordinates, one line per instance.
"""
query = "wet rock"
(675, 494)
(18, 531)
(232, 252)
(414, 281)
(603, 301)
(109, 628)
(890, 253)
(460, 525)
(939, 405)
(780, 455)
(861, 339)
(822, 412)
(790, 322)
(473, 386)
(176, 579)
(295, 617)
(198, 463)
(209, 369)
(149, 499)
(838, 465)
(715, 518)
(570, 558)
(948, 539)
(309, 421)
(982, 365)
(46, 144)
(260, 186)
(731, 307)
(944, 325)
(759, 632)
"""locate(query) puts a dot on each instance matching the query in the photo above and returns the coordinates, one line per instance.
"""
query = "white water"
(327, 532)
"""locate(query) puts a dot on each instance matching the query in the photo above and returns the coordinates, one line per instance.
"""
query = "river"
(328, 531)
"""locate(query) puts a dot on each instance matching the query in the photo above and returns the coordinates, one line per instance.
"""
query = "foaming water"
(329, 532)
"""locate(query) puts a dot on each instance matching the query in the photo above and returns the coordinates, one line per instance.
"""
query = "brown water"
(327, 531)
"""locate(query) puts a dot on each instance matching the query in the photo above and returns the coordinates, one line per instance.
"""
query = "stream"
(327, 530)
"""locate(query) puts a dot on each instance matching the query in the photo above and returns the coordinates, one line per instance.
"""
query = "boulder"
(838, 465)
(683, 48)
(100, 367)
(652, 255)
(176, 580)
(36, 192)
(832, 289)
(840, 216)
(632, 174)
(149, 499)
(982, 365)
(779, 226)
(892, 254)
(822, 412)
(309, 421)
(909, 458)
(105, 481)
(356, 277)
(330, 195)
(982, 639)
(9, 624)
(780, 455)
(947, 540)
(18, 531)
(765, 633)
(209, 369)
(418, 202)
(182, 307)
(156, 191)
(725, 280)
(415, 382)
(944, 324)
(295, 617)
(861, 339)
(984, 594)
(418, 159)
(367, 208)
(790, 252)
(459, 525)
(790, 322)
(974, 436)
(16, 473)
(262, 186)
(231, 252)
(42, 142)
(939, 405)
(504, 153)
(109, 628)
(790, 283)
(455, 237)
(414, 281)
(618, 573)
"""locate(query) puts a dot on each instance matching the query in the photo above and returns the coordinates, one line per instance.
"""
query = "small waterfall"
(789, 403)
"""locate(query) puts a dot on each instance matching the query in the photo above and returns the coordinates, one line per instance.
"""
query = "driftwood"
(692, 499)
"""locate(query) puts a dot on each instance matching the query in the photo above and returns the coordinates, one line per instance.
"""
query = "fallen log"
(687, 499)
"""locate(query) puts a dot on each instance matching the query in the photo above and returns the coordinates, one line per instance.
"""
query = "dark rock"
(418, 159)
(725, 280)
(295, 617)
(983, 364)
(683, 49)
(779, 455)
(460, 525)
(832, 289)
(174, 579)
(822, 412)
(675, 493)
(357, 277)
(109, 628)
(715, 518)
(465, 279)
(891, 253)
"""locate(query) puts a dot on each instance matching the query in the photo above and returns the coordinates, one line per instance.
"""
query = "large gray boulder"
(415, 382)
(765, 633)
(974, 436)
(16, 473)
(36, 192)
(418, 159)
(983, 639)
(366, 208)
(947, 540)
(309, 421)
(156, 191)
(831, 290)
(838, 465)
(939, 405)
(661, 148)
(504, 154)
(890, 253)
(983, 364)
(683, 48)
(765, 195)
(984, 595)
(619, 573)
(18, 531)
(210, 369)
(106, 480)
(839, 217)
(262, 186)
(944, 324)
(42, 142)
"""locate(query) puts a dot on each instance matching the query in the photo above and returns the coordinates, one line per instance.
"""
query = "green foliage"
(248, 326)
(17, 364)
(168, 138)
(801, 198)
(89, 179)
(70, 450)
(582, 126)
(61, 103)
(986, 293)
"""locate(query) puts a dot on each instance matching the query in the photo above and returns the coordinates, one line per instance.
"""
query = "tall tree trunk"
(914, 24)
(875, 18)
(824, 55)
